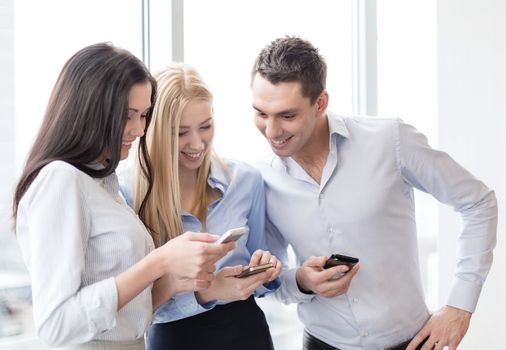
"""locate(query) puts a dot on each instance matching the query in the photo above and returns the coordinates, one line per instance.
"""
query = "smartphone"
(338, 259)
(251, 270)
(232, 235)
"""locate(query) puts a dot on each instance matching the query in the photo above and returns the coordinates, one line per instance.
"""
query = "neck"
(313, 156)
(187, 185)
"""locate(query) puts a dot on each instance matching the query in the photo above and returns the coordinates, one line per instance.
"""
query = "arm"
(226, 286)
(437, 173)
(184, 263)
(53, 231)
(257, 242)
(55, 249)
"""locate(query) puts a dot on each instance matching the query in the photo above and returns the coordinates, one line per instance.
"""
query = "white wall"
(472, 128)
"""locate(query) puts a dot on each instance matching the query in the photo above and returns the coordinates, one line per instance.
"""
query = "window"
(223, 49)
(43, 35)
(407, 88)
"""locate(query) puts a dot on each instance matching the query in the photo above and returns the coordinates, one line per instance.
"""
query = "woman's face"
(196, 131)
(139, 103)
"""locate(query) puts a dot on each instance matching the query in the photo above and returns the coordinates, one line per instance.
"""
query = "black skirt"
(237, 325)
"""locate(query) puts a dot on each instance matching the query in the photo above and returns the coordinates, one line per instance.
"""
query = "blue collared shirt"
(364, 207)
(242, 204)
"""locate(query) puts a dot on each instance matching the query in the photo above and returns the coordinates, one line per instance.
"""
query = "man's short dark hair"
(291, 59)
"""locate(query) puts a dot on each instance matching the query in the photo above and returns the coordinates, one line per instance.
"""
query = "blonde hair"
(178, 84)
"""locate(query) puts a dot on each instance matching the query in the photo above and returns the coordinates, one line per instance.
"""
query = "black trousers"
(312, 343)
(237, 325)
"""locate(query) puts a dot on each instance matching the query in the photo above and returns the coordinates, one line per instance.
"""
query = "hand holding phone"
(232, 235)
(338, 259)
(252, 270)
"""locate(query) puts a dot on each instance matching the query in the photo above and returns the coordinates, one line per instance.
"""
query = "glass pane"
(222, 39)
(407, 88)
(44, 35)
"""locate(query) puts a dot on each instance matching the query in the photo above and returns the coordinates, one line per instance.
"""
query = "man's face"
(285, 117)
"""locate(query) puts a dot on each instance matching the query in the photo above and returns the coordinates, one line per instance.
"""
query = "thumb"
(315, 261)
(201, 236)
(231, 271)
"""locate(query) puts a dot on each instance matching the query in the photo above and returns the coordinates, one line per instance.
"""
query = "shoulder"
(58, 180)
(371, 122)
(242, 172)
(63, 171)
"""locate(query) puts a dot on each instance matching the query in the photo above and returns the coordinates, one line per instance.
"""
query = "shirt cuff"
(188, 305)
(101, 300)
(464, 295)
(289, 290)
(267, 288)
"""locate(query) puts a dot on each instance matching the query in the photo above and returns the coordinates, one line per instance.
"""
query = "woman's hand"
(260, 257)
(191, 256)
(226, 286)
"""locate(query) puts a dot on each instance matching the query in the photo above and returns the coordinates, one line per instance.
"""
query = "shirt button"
(355, 300)
(321, 196)
(330, 229)
(365, 334)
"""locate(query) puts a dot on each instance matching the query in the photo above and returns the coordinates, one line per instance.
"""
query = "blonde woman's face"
(196, 132)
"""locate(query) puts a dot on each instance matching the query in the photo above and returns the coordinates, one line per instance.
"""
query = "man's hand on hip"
(446, 327)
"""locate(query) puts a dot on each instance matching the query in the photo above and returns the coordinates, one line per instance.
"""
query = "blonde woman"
(195, 190)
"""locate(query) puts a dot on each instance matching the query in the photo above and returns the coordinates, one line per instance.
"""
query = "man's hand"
(446, 327)
(311, 277)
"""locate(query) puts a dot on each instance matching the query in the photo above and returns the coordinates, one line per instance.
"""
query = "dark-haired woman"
(91, 260)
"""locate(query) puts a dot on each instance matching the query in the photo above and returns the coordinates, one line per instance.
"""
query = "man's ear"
(322, 103)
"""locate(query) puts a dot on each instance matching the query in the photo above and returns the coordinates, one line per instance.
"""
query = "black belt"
(313, 343)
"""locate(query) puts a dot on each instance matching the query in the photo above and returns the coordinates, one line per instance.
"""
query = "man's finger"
(315, 261)
(419, 338)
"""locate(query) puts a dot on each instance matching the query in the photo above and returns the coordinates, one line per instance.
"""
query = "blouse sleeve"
(53, 230)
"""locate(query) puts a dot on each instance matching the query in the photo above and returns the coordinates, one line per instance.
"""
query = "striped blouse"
(76, 234)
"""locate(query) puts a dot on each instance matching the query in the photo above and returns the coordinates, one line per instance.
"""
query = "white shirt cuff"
(464, 295)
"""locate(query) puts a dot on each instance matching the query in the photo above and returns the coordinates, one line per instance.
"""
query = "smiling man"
(345, 185)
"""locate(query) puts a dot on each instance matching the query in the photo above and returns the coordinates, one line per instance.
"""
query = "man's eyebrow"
(287, 111)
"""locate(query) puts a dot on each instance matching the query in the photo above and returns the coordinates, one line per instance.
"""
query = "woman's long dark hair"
(87, 113)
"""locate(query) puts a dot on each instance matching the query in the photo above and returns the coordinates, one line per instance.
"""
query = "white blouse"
(76, 234)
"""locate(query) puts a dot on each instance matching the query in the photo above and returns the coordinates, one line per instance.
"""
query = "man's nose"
(272, 128)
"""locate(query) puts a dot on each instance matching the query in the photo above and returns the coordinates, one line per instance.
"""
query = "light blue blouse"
(242, 204)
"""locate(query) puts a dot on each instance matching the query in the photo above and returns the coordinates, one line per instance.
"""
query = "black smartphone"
(338, 259)
(251, 270)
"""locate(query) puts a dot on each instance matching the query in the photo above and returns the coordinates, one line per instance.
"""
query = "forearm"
(140, 276)
(163, 289)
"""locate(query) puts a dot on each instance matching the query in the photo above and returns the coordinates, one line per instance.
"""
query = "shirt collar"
(337, 125)
(219, 176)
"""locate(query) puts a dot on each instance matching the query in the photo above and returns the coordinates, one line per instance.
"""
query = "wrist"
(155, 264)
(465, 313)
(300, 284)
(203, 296)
